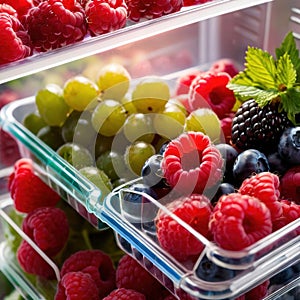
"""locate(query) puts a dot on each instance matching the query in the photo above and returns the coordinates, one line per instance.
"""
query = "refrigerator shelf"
(131, 33)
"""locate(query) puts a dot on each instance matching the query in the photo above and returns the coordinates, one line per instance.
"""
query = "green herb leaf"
(286, 74)
(290, 103)
(245, 92)
(289, 46)
(260, 68)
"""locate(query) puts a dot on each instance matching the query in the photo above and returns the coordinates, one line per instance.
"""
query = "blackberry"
(258, 128)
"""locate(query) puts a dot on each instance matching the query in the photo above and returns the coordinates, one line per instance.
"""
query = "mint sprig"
(268, 79)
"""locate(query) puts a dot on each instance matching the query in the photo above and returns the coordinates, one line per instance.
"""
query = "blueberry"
(229, 154)
(224, 189)
(136, 208)
(209, 271)
(276, 163)
(152, 173)
(289, 145)
(283, 276)
(163, 148)
(249, 162)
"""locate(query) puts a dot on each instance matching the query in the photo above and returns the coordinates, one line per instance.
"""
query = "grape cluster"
(112, 122)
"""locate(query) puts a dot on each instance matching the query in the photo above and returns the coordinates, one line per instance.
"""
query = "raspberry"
(238, 221)
(259, 292)
(224, 65)
(96, 263)
(6, 8)
(105, 15)
(77, 285)
(210, 88)
(125, 294)
(183, 83)
(28, 191)
(265, 187)
(151, 9)
(290, 213)
(191, 163)
(226, 128)
(14, 41)
(9, 150)
(131, 275)
(173, 237)
(290, 184)
(32, 263)
(53, 24)
(194, 2)
(21, 6)
(48, 227)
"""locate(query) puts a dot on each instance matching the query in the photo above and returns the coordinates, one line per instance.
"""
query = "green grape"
(102, 144)
(108, 117)
(76, 155)
(81, 93)
(178, 102)
(129, 106)
(139, 127)
(170, 122)
(51, 136)
(113, 81)
(112, 163)
(150, 95)
(34, 122)
(51, 105)
(79, 129)
(136, 155)
(99, 179)
(206, 121)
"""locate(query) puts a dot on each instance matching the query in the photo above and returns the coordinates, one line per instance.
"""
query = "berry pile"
(29, 27)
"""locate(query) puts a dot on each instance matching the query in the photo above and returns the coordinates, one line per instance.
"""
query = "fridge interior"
(168, 47)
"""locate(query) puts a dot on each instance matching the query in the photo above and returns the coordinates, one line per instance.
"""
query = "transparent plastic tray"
(79, 192)
(132, 32)
(251, 266)
(288, 289)
(248, 268)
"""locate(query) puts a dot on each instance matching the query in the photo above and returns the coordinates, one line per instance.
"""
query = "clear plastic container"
(247, 268)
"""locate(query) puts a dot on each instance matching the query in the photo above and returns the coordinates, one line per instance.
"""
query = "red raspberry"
(77, 285)
(125, 294)
(96, 263)
(131, 275)
(105, 15)
(265, 187)
(6, 8)
(14, 40)
(32, 262)
(28, 191)
(290, 184)
(48, 227)
(226, 129)
(191, 163)
(151, 9)
(195, 211)
(259, 292)
(210, 88)
(21, 6)
(183, 83)
(238, 221)
(9, 150)
(290, 213)
(55, 23)
(194, 2)
(224, 65)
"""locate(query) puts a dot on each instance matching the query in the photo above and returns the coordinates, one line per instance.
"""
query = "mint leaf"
(244, 92)
(289, 46)
(260, 68)
(286, 74)
(290, 103)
